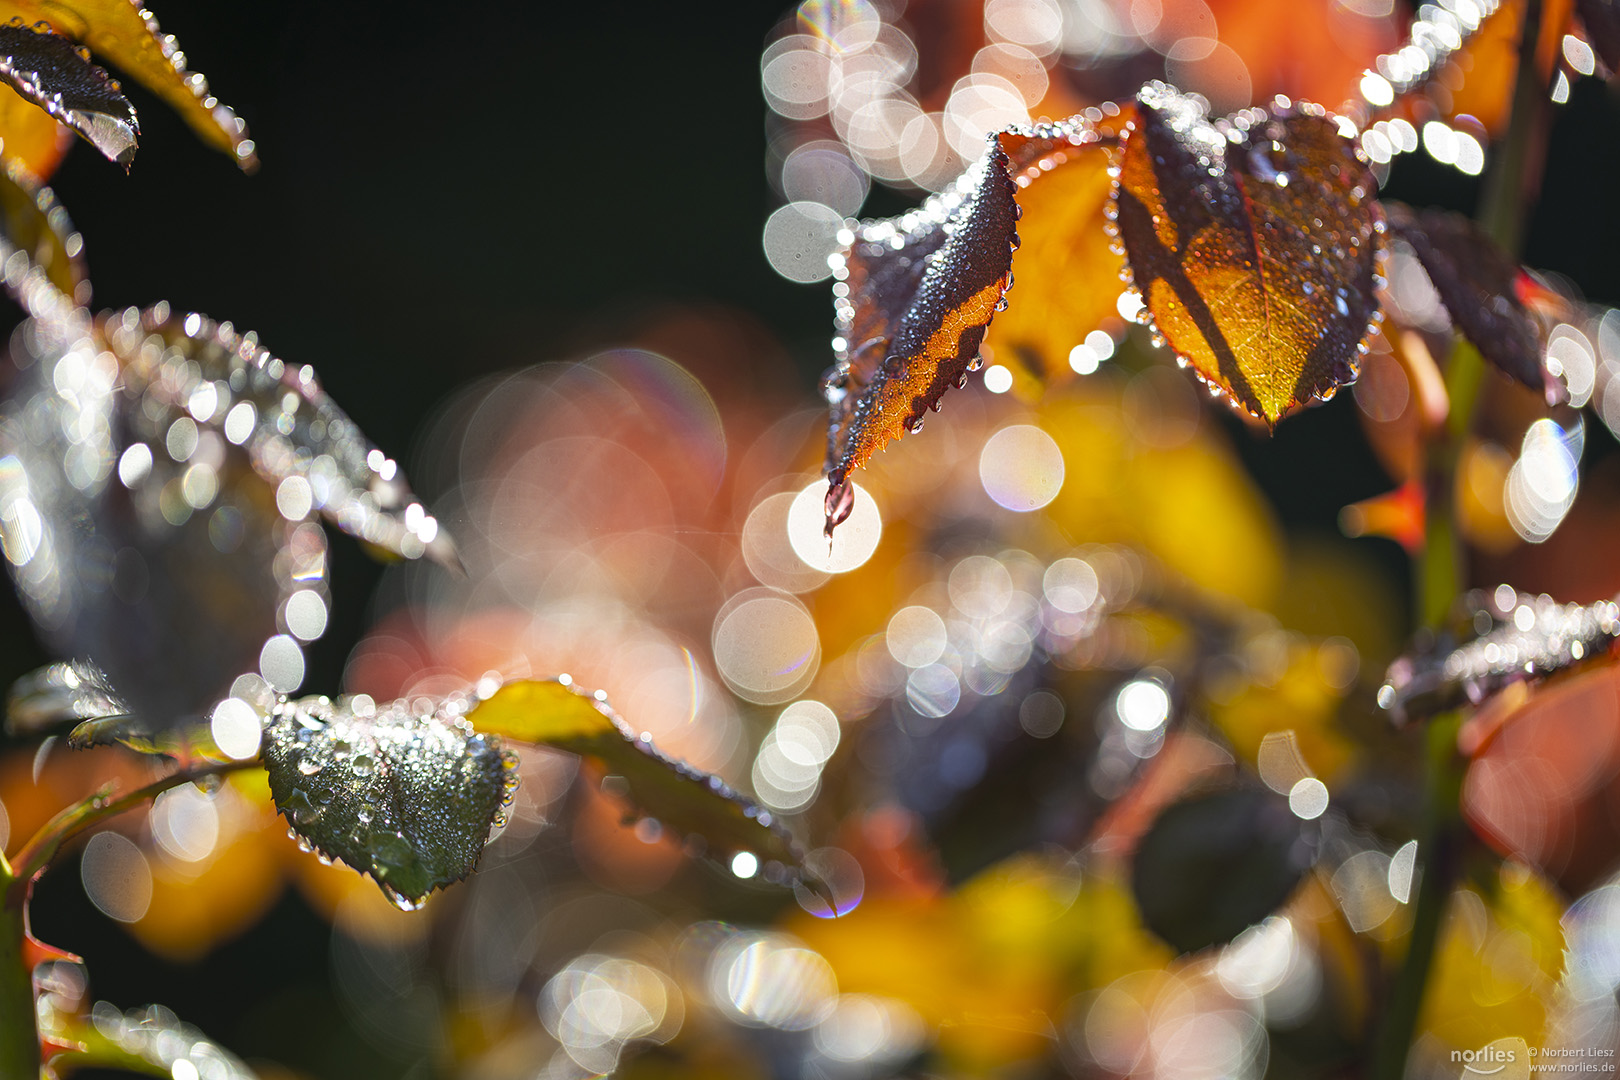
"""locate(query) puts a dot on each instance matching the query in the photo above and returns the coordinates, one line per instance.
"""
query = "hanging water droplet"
(976, 363)
(915, 426)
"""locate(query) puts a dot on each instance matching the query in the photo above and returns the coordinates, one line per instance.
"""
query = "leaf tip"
(840, 501)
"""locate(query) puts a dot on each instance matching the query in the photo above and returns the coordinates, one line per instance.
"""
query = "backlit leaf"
(1213, 865)
(1254, 243)
(1528, 637)
(126, 35)
(33, 141)
(404, 795)
(279, 414)
(150, 1042)
(33, 222)
(47, 70)
(916, 293)
(1066, 268)
(158, 480)
(1433, 37)
(70, 692)
(143, 540)
(687, 800)
(1479, 286)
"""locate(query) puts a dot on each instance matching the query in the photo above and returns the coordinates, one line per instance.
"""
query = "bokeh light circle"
(766, 646)
(852, 543)
(799, 238)
(1021, 468)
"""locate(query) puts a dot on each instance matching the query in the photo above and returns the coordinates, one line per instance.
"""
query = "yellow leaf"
(687, 800)
(1066, 273)
(1497, 965)
(544, 712)
(29, 138)
(34, 222)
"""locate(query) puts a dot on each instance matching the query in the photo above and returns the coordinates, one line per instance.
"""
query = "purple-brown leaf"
(54, 74)
(1478, 284)
(921, 289)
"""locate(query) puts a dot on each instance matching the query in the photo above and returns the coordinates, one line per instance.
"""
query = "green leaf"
(405, 797)
(47, 70)
(691, 802)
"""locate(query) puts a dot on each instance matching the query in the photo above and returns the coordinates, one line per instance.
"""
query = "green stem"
(37, 854)
(1442, 566)
(19, 1040)
(19, 1043)
(1441, 849)
(1516, 173)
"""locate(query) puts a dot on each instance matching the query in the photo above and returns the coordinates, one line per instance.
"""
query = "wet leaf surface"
(143, 539)
(1479, 286)
(126, 35)
(921, 289)
(278, 413)
(152, 1041)
(1254, 244)
(67, 693)
(701, 807)
(1531, 637)
(405, 795)
(159, 477)
(47, 70)
(1213, 865)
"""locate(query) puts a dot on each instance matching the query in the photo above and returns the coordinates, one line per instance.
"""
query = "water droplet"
(976, 363)
(309, 766)
(299, 806)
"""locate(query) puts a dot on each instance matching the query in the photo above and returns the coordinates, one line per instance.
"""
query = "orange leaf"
(1254, 244)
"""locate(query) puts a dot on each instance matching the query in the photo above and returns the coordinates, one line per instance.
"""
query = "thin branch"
(38, 853)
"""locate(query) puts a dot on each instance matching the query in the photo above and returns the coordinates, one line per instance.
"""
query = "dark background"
(445, 195)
